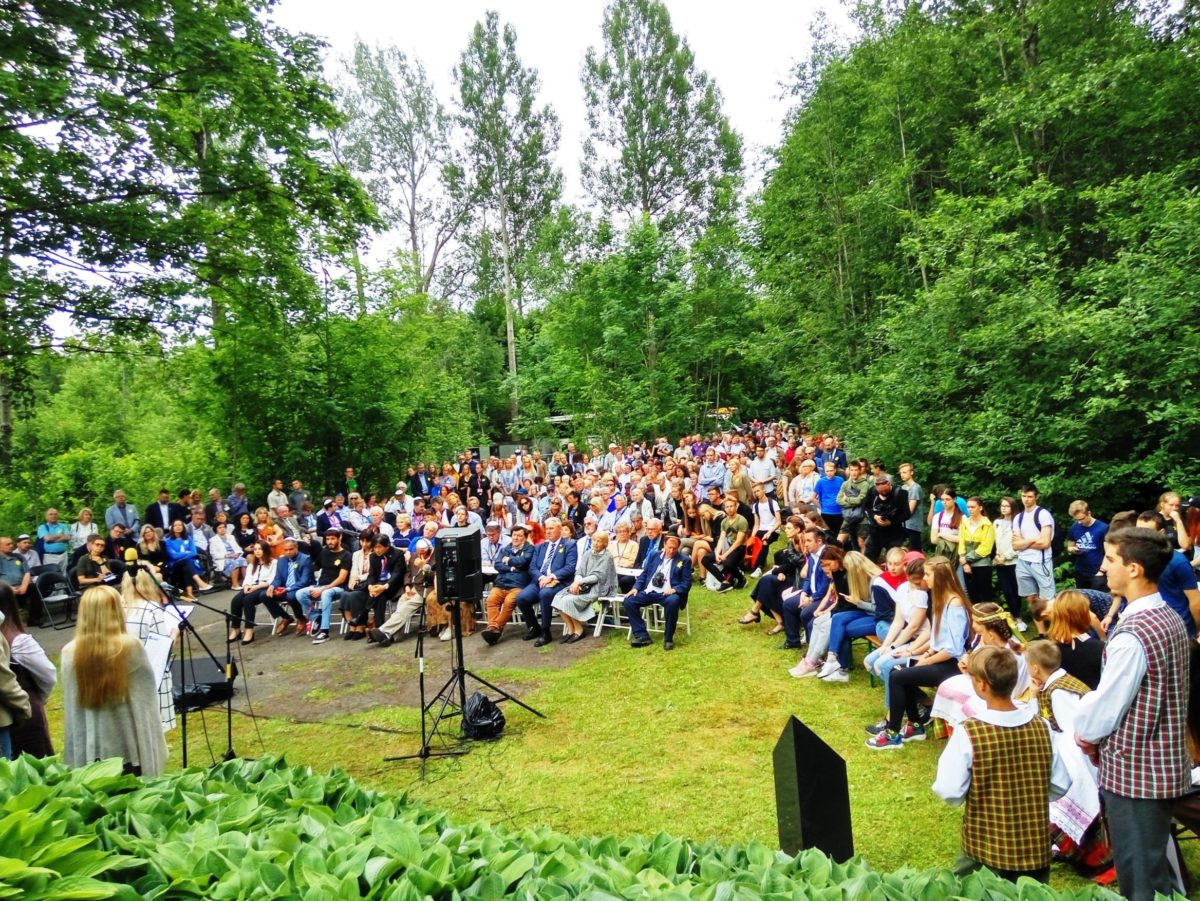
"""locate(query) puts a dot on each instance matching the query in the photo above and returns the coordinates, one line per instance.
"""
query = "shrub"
(262, 829)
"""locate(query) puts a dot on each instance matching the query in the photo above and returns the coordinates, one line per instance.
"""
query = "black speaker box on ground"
(812, 795)
(198, 683)
(460, 564)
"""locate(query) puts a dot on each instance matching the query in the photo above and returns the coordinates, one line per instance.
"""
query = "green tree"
(399, 138)
(659, 144)
(510, 142)
(153, 153)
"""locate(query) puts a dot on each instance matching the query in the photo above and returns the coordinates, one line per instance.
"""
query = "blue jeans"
(6, 742)
(848, 626)
(882, 663)
(328, 596)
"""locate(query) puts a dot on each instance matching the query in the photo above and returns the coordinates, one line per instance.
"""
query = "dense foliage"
(261, 829)
(976, 248)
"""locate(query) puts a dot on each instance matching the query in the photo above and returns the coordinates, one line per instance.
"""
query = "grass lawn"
(635, 741)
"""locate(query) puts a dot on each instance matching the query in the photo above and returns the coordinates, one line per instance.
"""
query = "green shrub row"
(263, 829)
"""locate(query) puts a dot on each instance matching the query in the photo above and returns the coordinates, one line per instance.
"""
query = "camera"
(658, 581)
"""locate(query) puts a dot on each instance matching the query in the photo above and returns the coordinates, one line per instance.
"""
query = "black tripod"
(452, 696)
(187, 631)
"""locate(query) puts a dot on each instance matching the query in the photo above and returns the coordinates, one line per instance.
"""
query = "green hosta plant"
(262, 829)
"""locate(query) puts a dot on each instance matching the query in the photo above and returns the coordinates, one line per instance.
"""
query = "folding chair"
(53, 591)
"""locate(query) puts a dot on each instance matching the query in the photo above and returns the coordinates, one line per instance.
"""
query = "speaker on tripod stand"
(459, 580)
(460, 565)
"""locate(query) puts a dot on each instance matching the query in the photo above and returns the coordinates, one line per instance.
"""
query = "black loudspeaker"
(199, 682)
(812, 795)
(460, 565)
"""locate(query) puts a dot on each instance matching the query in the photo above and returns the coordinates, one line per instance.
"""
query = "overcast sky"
(748, 46)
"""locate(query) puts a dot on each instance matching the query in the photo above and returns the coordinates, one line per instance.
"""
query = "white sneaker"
(831, 666)
(803, 669)
(757, 574)
(838, 675)
(447, 634)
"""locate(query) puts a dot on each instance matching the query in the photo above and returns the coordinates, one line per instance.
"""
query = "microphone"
(131, 557)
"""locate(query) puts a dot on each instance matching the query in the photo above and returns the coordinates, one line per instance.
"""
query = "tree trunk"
(510, 335)
(6, 423)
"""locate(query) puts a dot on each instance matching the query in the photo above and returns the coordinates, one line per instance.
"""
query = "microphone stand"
(187, 629)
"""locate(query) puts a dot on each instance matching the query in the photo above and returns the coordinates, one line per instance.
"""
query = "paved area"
(290, 676)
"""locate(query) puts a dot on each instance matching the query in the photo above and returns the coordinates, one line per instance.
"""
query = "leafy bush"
(262, 829)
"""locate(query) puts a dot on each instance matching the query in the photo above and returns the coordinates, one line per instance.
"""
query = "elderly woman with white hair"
(595, 577)
(624, 550)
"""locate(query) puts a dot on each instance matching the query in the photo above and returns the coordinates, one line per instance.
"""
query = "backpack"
(1057, 538)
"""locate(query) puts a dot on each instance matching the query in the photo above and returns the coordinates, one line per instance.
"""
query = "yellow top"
(984, 535)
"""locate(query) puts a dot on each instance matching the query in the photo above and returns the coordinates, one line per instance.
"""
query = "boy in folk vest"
(1076, 827)
(1004, 765)
(1133, 725)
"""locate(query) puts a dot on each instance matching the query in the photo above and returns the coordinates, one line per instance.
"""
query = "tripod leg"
(504, 694)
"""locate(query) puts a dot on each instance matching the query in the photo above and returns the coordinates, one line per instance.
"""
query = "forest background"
(977, 247)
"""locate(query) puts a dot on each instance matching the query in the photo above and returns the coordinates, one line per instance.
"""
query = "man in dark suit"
(419, 482)
(164, 511)
(386, 578)
(552, 569)
(293, 573)
(666, 579)
(650, 543)
(576, 510)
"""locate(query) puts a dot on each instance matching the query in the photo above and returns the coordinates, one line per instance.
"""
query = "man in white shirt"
(1134, 725)
(400, 502)
(276, 497)
(1033, 533)
(762, 471)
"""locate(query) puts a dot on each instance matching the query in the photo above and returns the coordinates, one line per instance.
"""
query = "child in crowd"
(1076, 828)
(1004, 765)
(956, 699)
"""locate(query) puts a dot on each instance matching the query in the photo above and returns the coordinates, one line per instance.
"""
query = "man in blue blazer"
(293, 572)
(552, 569)
(800, 605)
(666, 579)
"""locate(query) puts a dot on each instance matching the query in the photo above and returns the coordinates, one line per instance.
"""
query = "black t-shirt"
(1083, 660)
(332, 563)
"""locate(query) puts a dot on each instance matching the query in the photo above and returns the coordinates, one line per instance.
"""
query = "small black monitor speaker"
(812, 794)
(460, 564)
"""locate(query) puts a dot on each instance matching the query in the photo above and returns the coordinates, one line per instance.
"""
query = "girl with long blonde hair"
(110, 702)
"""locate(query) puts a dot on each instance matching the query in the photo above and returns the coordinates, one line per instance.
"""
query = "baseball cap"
(23, 537)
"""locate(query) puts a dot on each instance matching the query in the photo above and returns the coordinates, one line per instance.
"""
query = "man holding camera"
(666, 579)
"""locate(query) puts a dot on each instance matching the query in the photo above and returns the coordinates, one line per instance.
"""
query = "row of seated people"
(558, 575)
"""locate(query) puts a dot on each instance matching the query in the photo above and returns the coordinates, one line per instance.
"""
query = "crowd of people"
(945, 586)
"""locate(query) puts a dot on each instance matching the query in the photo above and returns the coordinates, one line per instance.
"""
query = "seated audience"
(595, 577)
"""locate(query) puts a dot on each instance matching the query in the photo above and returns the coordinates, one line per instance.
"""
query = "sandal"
(775, 630)
(749, 618)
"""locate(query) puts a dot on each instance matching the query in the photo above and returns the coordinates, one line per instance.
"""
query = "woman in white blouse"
(83, 529)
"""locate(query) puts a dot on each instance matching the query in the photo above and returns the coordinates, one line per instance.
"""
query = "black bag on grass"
(482, 718)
